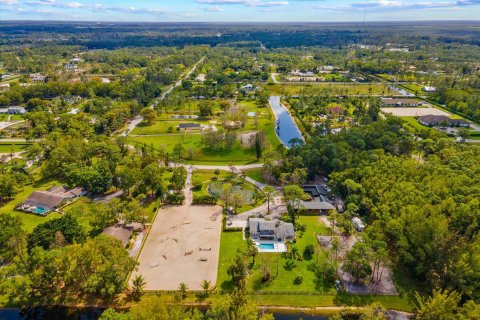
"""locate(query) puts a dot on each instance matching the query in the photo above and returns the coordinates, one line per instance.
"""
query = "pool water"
(267, 246)
(40, 210)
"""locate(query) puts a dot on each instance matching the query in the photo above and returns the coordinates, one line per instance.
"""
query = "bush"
(298, 279)
(204, 199)
(308, 252)
(175, 198)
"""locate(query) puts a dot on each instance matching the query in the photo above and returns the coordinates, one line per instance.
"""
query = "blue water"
(286, 128)
(267, 246)
(40, 210)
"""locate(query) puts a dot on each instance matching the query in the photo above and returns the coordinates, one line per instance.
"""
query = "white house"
(38, 77)
(429, 89)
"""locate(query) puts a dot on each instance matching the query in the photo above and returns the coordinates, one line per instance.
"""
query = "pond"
(51, 313)
(285, 126)
(61, 313)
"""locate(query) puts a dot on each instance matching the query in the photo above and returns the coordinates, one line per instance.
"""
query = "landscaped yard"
(255, 174)
(29, 220)
(202, 180)
(288, 268)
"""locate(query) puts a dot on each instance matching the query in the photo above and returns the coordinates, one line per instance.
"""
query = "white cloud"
(212, 9)
(8, 1)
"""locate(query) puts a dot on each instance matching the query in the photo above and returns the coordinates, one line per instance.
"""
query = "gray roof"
(285, 230)
(53, 197)
(45, 199)
(317, 205)
(118, 233)
(261, 224)
(189, 125)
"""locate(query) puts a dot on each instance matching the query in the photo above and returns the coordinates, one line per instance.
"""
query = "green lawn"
(414, 124)
(199, 154)
(163, 127)
(255, 174)
(340, 88)
(12, 147)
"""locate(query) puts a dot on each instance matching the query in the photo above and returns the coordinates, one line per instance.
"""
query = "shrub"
(204, 199)
(298, 279)
(308, 252)
(175, 198)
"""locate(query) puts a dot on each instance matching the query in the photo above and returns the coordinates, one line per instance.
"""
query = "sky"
(240, 10)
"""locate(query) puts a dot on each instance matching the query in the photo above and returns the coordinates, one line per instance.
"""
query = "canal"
(285, 126)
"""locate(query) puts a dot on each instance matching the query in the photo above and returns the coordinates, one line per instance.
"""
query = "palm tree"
(138, 287)
(206, 287)
(294, 252)
(182, 287)
(269, 192)
(217, 172)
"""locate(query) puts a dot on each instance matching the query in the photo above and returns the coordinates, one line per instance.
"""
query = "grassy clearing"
(331, 88)
(255, 174)
(163, 127)
(12, 147)
(195, 151)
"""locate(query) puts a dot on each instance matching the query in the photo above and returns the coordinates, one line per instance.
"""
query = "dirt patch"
(415, 112)
(183, 246)
(245, 138)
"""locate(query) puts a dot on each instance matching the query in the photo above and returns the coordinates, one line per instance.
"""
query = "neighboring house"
(189, 126)
(247, 88)
(122, 231)
(438, 120)
(429, 89)
(16, 110)
(398, 102)
(337, 110)
(319, 202)
(119, 233)
(38, 77)
(43, 202)
(13, 110)
(70, 66)
(261, 229)
(326, 69)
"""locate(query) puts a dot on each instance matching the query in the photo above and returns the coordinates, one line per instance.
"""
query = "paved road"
(13, 140)
(4, 125)
(274, 78)
(137, 120)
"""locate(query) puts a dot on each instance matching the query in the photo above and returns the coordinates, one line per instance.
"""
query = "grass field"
(199, 154)
(415, 125)
(12, 147)
(317, 88)
(255, 174)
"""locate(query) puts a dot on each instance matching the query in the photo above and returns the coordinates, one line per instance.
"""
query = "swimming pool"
(40, 210)
(271, 246)
(266, 246)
